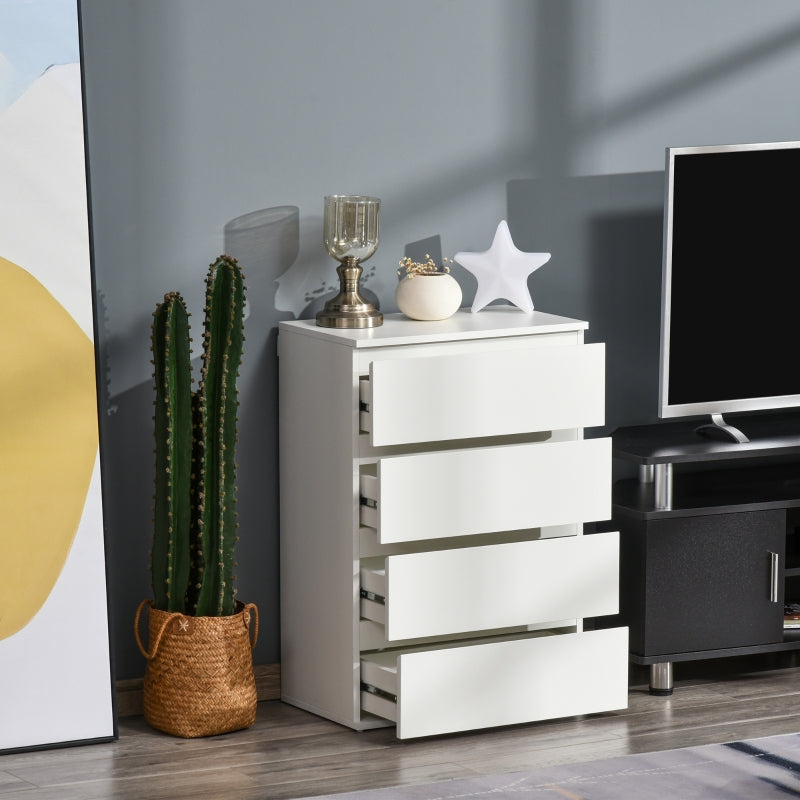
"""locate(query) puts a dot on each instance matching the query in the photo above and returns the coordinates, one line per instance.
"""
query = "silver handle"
(774, 571)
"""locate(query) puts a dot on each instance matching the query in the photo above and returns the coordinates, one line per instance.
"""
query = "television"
(730, 305)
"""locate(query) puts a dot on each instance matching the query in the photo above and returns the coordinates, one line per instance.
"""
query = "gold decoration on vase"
(350, 234)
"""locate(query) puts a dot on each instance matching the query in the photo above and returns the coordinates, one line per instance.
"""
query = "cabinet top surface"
(490, 323)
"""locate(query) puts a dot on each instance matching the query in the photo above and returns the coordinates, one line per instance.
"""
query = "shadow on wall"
(266, 244)
(288, 276)
(284, 258)
(605, 234)
(431, 247)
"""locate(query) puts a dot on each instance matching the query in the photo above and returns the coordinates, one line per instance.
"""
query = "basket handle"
(251, 607)
(167, 620)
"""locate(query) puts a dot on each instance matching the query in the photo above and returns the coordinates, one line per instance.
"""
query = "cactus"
(195, 510)
(173, 425)
(222, 353)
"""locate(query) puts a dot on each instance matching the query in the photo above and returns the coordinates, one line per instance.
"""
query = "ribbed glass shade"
(350, 226)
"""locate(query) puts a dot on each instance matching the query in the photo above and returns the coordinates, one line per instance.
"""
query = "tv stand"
(719, 429)
(709, 541)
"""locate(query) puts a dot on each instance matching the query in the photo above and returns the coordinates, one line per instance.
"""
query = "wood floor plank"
(350, 774)
(9, 782)
(36, 793)
(538, 757)
(289, 753)
(190, 761)
(712, 714)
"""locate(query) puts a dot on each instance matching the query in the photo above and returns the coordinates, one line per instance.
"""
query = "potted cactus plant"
(199, 678)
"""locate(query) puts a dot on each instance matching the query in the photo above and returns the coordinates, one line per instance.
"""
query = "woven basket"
(199, 678)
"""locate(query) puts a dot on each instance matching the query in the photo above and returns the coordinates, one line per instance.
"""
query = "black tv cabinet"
(709, 540)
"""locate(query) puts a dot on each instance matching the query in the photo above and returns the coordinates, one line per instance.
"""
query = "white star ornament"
(502, 271)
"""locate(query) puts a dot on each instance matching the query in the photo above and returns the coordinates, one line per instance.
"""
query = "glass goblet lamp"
(350, 233)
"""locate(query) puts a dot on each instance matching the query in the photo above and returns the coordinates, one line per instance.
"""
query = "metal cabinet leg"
(661, 678)
(662, 486)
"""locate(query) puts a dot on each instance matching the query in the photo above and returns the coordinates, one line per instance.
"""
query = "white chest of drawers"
(434, 483)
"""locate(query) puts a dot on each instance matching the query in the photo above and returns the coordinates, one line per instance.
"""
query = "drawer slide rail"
(375, 598)
(365, 687)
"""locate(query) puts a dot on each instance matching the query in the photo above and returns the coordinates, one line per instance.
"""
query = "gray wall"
(457, 113)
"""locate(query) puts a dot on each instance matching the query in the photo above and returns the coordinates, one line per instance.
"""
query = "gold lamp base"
(349, 309)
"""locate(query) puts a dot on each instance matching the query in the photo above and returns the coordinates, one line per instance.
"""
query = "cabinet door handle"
(774, 571)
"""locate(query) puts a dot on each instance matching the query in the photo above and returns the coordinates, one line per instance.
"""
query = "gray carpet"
(755, 769)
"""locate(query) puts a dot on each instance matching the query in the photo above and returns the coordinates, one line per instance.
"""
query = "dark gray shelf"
(718, 491)
(791, 641)
(677, 443)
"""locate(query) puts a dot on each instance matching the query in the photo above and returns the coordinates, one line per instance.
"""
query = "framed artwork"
(55, 666)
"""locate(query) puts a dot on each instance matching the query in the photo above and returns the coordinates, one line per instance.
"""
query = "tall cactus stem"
(221, 359)
(173, 437)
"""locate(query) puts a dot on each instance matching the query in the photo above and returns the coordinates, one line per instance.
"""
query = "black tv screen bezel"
(726, 345)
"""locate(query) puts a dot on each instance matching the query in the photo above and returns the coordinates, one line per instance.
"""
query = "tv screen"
(730, 332)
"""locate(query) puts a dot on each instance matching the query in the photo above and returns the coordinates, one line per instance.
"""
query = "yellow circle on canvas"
(48, 441)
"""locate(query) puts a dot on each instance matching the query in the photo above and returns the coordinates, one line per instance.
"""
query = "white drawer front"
(496, 586)
(484, 394)
(465, 492)
(501, 683)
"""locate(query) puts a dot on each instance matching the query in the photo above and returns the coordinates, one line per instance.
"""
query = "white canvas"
(55, 674)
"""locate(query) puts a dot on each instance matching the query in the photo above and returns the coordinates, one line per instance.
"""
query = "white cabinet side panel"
(464, 492)
(319, 604)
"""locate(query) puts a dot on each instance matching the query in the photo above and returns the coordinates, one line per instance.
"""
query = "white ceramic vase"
(428, 297)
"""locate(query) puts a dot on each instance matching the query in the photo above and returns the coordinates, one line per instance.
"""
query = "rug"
(755, 769)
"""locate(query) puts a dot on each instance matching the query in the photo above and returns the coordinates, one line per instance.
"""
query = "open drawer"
(494, 683)
(482, 490)
(493, 586)
(497, 393)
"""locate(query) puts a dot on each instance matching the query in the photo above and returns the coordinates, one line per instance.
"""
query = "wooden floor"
(289, 753)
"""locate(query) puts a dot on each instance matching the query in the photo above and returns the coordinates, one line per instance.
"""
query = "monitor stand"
(719, 429)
